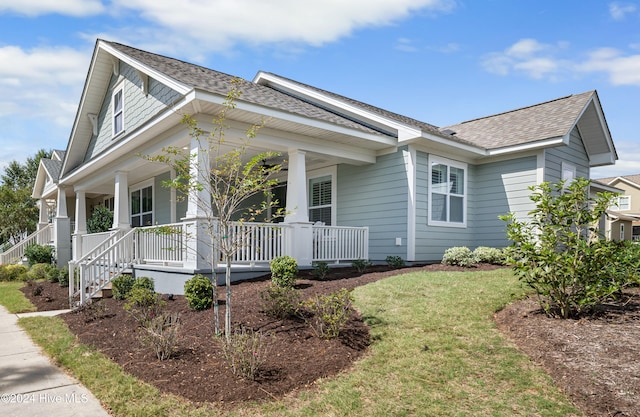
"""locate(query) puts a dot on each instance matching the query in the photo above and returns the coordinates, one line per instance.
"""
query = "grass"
(13, 299)
(435, 352)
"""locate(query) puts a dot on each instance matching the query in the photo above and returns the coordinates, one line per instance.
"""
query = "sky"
(438, 61)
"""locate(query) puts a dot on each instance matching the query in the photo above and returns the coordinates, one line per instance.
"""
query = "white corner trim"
(410, 169)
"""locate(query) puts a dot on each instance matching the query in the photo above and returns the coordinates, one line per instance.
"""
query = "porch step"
(106, 292)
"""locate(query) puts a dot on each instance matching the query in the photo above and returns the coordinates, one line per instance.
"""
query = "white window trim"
(140, 186)
(455, 164)
(117, 88)
(324, 172)
(570, 168)
(616, 205)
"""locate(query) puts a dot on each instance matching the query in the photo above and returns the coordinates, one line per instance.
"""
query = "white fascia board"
(602, 159)
(402, 129)
(461, 146)
(159, 76)
(277, 114)
(547, 143)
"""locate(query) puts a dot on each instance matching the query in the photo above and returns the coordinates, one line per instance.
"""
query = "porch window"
(142, 207)
(118, 111)
(320, 190)
(447, 193)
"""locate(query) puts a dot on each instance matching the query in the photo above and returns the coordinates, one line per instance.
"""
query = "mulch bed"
(595, 360)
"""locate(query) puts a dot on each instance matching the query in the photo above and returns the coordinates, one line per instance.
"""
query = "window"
(320, 201)
(142, 207)
(621, 231)
(447, 193)
(622, 203)
(568, 173)
(109, 202)
(118, 111)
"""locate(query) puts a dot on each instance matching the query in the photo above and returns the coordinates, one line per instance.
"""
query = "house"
(361, 182)
(625, 214)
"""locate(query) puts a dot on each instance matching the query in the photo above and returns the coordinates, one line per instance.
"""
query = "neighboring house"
(361, 182)
(627, 207)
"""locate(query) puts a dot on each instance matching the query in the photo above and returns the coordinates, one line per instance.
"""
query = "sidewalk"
(30, 385)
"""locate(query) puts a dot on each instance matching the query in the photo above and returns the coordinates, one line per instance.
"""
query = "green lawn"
(435, 352)
(13, 299)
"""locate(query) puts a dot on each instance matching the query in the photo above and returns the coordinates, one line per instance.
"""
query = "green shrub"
(63, 276)
(246, 352)
(280, 302)
(284, 271)
(53, 274)
(558, 254)
(13, 272)
(144, 304)
(122, 286)
(360, 265)
(489, 255)
(395, 261)
(329, 313)
(321, 270)
(460, 256)
(144, 282)
(199, 292)
(101, 220)
(38, 254)
(39, 272)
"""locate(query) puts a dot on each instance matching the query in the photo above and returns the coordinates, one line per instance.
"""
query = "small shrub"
(321, 270)
(246, 352)
(488, 255)
(284, 271)
(329, 313)
(38, 254)
(122, 286)
(93, 310)
(280, 302)
(53, 274)
(144, 304)
(144, 282)
(63, 276)
(199, 292)
(14, 272)
(395, 261)
(460, 256)
(36, 290)
(161, 334)
(361, 264)
(39, 272)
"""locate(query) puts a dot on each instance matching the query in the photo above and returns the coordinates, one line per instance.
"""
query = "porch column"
(43, 219)
(81, 213)
(198, 246)
(300, 242)
(121, 217)
(62, 230)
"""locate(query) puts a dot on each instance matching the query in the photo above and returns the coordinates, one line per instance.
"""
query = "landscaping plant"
(280, 302)
(361, 264)
(559, 253)
(199, 292)
(246, 351)
(284, 271)
(38, 254)
(321, 269)
(329, 313)
(460, 256)
(122, 286)
(395, 261)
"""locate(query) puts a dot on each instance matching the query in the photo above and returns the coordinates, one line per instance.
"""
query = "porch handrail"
(165, 244)
(96, 242)
(340, 243)
(91, 273)
(16, 252)
(259, 242)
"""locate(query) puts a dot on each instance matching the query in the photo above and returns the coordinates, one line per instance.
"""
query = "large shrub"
(559, 253)
(40, 272)
(13, 272)
(38, 254)
(284, 271)
(199, 292)
(101, 220)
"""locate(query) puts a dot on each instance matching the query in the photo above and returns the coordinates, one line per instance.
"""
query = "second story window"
(118, 111)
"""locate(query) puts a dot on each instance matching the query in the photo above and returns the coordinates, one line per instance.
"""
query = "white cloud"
(619, 11)
(628, 164)
(220, 24)
(621, 69)
(529, 56)
(41, 7)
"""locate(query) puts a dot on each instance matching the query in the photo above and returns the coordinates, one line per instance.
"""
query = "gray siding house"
(361, 181)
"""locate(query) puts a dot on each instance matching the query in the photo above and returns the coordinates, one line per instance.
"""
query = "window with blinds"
(320, 204)
(447, 194)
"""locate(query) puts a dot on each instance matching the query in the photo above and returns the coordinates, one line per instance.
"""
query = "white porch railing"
(340, 243)
(164, 244)
(260, 242)
(93, 242)
(15, 253)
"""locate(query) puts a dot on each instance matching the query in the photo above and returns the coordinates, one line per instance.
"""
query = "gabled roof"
(633, 180)
(48, 173)
(545, 124)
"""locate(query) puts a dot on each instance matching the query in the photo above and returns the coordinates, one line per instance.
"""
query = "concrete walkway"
(30, 385)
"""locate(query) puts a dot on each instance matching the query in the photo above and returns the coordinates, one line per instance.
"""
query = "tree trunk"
(227, 323)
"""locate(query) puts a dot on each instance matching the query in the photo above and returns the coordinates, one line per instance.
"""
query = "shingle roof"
(528, 124)
(631, 178)
(217, 82)
(53, 168)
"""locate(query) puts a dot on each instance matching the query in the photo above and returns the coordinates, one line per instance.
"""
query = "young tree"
(560, 253)
(224, 189)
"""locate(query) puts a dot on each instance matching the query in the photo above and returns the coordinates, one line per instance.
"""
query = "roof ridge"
(526, 107)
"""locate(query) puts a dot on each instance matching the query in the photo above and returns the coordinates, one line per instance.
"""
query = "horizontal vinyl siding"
(499, 188)
(376, 196)
(138, 107)
(574, 154)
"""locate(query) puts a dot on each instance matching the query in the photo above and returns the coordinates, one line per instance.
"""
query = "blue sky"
(439, 61)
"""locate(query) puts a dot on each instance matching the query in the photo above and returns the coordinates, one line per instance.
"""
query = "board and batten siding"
(376, 196)
(574, 154)
(138, 107)
(499, 188)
